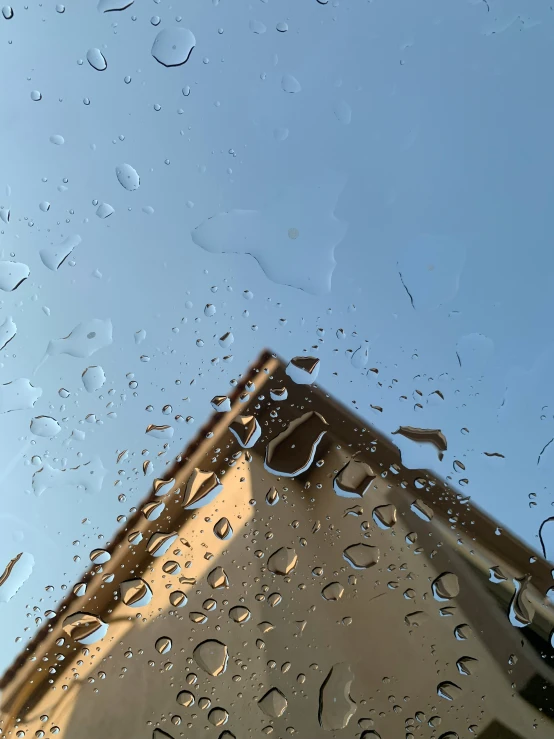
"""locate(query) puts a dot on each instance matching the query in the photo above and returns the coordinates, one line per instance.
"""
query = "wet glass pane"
(276, 403)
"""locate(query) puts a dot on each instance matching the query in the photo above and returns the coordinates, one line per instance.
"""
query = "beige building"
(324, 591)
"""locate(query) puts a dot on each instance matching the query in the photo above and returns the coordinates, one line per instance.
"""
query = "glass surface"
(276, 404)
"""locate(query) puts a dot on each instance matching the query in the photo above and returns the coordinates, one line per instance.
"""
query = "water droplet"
(159, 432)
(290, 84)
(93, 378)
(446, 586)
(246, 430)
(292, 451)
(360, 357)
(163, 644)
(223, 529)
(361, 556)
(283, 561)
(272, 497)
(97, 60)
(18, 395)
(422, 510)
(353, 480)
(303, 370)
(334, 591)
(36, 96)
(184, 698)
(152, 511)
(8, 331)
(257, 27)
(104, 210)
(45, 426)
(178, 599)
(54, 256)
(212, 656)
(159, 543)
(12, 274)
(273, 703)
(385, 516)
(85, 628)
(89, 476)
(240, 614)
(173, 46)
(449, 691)
(306, 263)
(336, 706)
(282, 27)
(85, 339)
(16, 573)
(127, 177)
(430, 436)
(202, 488)
(57, 139)
(467, 665)
(429, 269)
(218, 716)
(522, 611)
(343, 112)
(7, 12)
(417, 618)
(462, 632)
(109, 6)
(217, 578)
(221, 403)
(135, 592)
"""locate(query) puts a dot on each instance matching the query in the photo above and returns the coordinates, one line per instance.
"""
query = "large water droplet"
(218, 716)
(202, 488)
(217, 578)
(292, 451)
(173, 46)
(85, 628)
(45, 426)
(97, 60)
(128, 177)
(109, 6)
(448, 690)
(385, 516)
(303, 370)
(17, 571)
(522, 611)
(223, 529)
(336, 706)
(240, 614)
(290, 84)
(184, 698)
(446, 586)
(333, 592)
(93, 378)
(212, 656)
(273, 703)
(18, 395)
(8, 331)
(246, 430)
(85, 339)
(163, 645)
(55, 255)
(430, 436)
(159, 543)
(135, 592)
(360, 357)
(12, 274)
(282, 561)
(361, 556)
(306, 262)
(353, 480)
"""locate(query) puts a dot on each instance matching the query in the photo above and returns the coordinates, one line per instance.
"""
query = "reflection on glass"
(352, 593)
